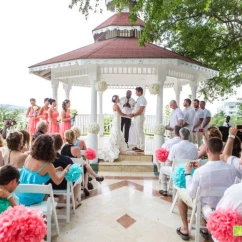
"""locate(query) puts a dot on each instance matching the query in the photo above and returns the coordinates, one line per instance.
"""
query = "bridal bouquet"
(154, 88)
(36, 108)
(93, 128)
(159, 129)
(73, 116)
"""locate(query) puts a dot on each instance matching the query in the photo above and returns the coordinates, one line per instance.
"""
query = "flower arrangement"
(178, 176)
(101, 86)
(93, 128)
(221, 224)
(154, 88)
(73, 113)
(22, 224)
(161, 154)
(74, 173)
(159, 129)
(36, 108)
(90, 154)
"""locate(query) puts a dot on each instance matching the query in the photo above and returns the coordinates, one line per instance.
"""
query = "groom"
(139, 118)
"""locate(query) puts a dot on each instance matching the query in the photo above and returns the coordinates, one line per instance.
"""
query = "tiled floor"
(123, 208)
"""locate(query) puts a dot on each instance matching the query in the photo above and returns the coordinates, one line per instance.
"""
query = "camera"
(193, 164)
(239, 126)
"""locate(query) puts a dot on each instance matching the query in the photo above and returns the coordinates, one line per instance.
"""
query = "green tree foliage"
(218, 119)
(209, 31)
(9, 112)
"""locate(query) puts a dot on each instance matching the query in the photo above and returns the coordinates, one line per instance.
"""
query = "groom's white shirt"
(141, 102)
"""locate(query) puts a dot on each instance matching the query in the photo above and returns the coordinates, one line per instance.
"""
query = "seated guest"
(215, 175)
(42, 128)
(70, 150)
(80, 143)
(9, 180)
(63, 161)
(183, 150)
(212, 132)
(14, 155)
(39, 169)
(1, 153)
(26, 140)
(227, 155)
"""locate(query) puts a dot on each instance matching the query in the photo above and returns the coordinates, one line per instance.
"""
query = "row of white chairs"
(48, 207)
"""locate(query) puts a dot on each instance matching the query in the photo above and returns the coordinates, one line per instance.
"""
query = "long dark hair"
(66, 101)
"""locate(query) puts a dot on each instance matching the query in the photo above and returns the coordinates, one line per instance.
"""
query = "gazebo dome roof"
(121, 19)
(118, 48)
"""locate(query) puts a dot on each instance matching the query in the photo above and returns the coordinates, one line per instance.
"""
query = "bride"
(115, 143)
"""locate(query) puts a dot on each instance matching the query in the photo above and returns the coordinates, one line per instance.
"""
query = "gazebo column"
(101, 117)
(55, 85)
(92, 140)
(177, 89)
(194, 87)
(159, 139)
(67, 88)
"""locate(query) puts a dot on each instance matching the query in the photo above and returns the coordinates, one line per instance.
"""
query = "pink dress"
(53, 126)
(32, 123)
(45, 114)
(66, 125)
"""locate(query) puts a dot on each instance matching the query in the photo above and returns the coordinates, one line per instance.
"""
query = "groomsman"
(139, 118)
(126, 105)
(197, 123)
(207, 116)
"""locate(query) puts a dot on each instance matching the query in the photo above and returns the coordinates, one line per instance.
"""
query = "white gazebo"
(116, 58)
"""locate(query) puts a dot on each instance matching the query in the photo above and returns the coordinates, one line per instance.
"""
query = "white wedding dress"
(115, 143)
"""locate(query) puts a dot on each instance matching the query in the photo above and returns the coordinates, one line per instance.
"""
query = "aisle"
(123, 209)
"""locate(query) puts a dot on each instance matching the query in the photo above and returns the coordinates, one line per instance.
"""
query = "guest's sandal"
(78, 205)
(205, 235)
(183, 236)
(163, 193)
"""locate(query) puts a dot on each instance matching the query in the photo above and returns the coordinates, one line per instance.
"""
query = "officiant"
(126, 104)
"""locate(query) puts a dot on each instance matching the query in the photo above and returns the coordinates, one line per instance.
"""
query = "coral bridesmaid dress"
(32, 123)
(66, 125)
(45, 114)
(54, 126)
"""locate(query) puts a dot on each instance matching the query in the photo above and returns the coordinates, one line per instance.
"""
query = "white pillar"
(67, 88)
(159, 139)
(194, 91)
(55, 85)
(92, 138)
(177, 89)
(101, 117)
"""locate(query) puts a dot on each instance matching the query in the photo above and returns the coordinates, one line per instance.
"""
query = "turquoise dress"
(32, 177)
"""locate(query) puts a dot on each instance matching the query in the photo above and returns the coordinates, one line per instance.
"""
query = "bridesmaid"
(65, 117)
(53, 115)
(32, 114)
(43, 112)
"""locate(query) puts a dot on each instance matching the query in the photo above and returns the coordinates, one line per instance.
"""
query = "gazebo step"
(127, 166)
(134, 156)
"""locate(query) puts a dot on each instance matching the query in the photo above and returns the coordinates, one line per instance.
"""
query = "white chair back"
(77, 160)
(197, 207)
(177, 162)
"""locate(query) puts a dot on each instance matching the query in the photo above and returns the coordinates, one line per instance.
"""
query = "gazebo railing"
(83, 120)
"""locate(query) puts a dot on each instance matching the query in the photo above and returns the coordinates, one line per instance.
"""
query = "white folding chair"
(47, 207)
(197, 208)
(81, 179)
(175, 163)
(69, 194)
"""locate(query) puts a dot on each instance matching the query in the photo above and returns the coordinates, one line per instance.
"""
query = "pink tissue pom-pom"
(90, 154)
(22, 224)
(161, 154)
(221, 223)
